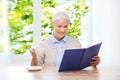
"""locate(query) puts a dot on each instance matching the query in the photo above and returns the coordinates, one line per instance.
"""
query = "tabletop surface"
(51, 73)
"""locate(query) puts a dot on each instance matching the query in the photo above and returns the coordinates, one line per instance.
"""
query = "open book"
(77, 59)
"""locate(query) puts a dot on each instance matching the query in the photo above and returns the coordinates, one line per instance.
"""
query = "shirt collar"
(54, 40)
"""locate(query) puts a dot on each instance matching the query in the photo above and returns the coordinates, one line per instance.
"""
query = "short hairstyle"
(59, 15)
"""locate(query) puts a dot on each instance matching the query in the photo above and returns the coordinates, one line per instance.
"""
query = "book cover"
(77, 59)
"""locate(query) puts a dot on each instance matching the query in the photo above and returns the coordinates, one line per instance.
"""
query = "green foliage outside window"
(20, 18)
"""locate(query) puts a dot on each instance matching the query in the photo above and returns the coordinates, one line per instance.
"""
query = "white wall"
(106, 28)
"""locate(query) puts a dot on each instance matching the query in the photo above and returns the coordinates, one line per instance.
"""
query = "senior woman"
(50, 51)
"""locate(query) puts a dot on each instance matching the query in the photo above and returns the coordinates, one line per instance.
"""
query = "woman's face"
(60, 28)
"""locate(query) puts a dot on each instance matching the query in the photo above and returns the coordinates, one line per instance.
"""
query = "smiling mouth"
(62, 33)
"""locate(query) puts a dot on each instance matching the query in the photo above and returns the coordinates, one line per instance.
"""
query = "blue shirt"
(58, 45)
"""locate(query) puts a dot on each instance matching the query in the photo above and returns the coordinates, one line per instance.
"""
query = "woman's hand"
(95, 61)
(34, 57)
(33, 54)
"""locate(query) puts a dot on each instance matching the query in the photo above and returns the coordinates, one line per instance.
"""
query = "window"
(20, 19)
(26, 24)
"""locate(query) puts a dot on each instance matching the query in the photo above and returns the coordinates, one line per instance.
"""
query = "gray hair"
(59, 15)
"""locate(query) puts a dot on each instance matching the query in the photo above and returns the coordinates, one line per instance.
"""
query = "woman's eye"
(59, 26)
(65, 26)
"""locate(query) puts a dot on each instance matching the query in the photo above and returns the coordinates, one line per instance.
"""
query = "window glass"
(20, 21)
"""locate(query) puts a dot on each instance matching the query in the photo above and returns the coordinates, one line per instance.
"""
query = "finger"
(94, 62)
(97, 58)
(93, 65)
(32, 50)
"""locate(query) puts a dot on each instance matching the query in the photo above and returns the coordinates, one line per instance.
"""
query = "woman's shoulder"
(73, 39)
(44, 42)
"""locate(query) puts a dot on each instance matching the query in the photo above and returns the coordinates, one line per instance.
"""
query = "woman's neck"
(58, 37)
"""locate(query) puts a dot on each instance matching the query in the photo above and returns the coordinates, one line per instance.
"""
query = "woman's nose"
(62, 30)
